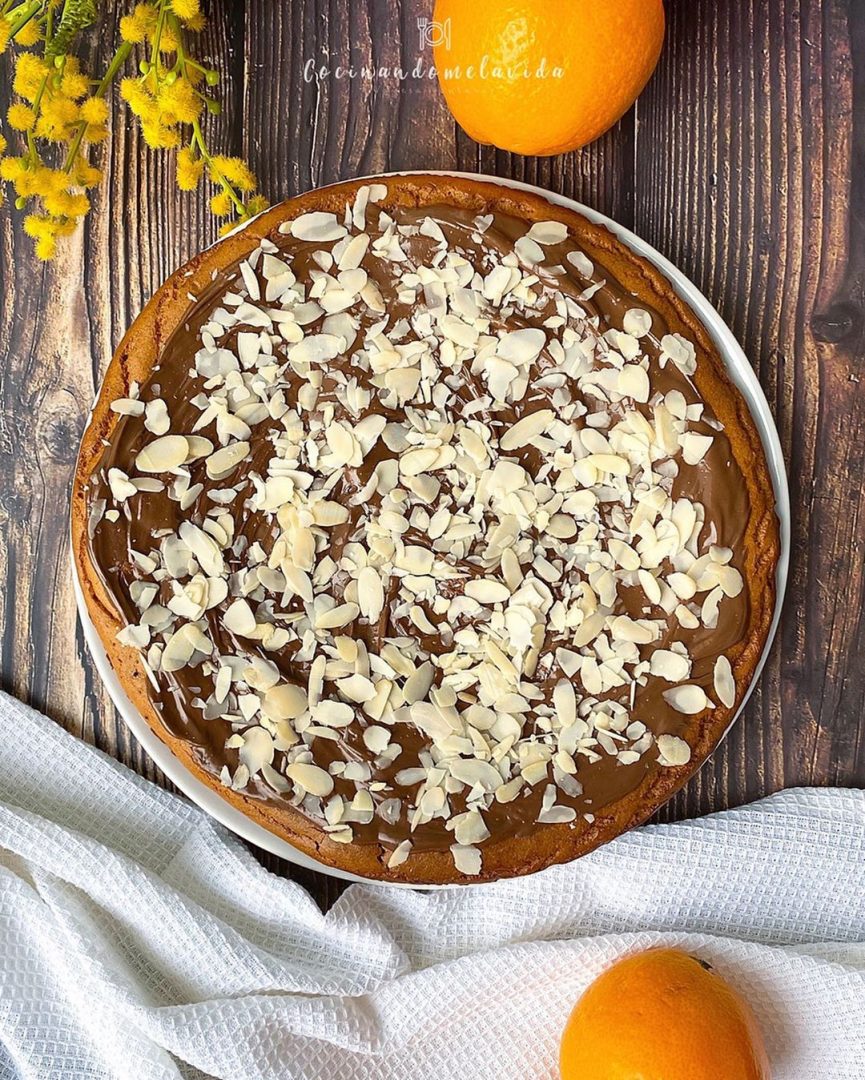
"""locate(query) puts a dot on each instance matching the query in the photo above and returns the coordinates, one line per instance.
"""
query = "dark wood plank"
(771, 237)
(743, 161)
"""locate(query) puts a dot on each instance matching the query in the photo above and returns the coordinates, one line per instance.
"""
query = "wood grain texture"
(743, 162)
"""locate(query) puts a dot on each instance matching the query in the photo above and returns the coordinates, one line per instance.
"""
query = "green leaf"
(77, 14)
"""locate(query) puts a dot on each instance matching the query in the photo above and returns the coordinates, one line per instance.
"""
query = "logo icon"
(434, 34)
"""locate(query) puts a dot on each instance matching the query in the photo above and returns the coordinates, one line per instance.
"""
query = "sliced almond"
(285, 701)
(466, 859)
(224, 461)
(672, 666)
(673, 751)
(317, 227)
(399, 855)
(688, 699)
(163, 454)
(527, 429)
(637, 322)
(548, 232)
(487, 591)
(725, 683)
(310, 778)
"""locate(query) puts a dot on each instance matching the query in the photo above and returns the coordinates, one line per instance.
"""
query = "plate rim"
(741, 373)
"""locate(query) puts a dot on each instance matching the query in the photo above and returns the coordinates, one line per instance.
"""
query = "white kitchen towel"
(140, 940)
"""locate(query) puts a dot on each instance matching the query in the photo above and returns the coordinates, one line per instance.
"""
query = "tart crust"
(138, 353)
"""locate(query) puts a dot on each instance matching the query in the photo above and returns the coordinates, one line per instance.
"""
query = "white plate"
(740, 372)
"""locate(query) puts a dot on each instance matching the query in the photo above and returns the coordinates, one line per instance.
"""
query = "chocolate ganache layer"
(427, 513)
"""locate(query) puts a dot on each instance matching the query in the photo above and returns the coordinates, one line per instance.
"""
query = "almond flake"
(529, 252)
(156, 417)
(370, 594)
(239, 619)
(695, 447)
(687, 699)
(634, 383)
(333, 714)
(163, 454)
(223, 462)
(725, 683)
(527, 429)
(257, 750)
(565, 703)
(127, 407)
(316, 349)
(548, 232)
(673, 751)
(581, 263)
(317, 227)
(376, 738)
(356, 688)
(466, 859)
(417, 686)
(338, 616)
(285, 701)
(310, 778)
(120, 486)
(469, 828)
(637, 322)
(399, 854)
(486, 591)
(671, 666)
(521, 346)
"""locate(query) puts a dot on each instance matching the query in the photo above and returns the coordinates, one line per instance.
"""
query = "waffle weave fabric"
(138, 938)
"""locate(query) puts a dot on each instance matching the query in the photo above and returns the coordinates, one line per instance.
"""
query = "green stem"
(118, 60)
(12, 9)
(30, 10)
(157, 34)
(33, 153)
(189, 62)
(198, 140)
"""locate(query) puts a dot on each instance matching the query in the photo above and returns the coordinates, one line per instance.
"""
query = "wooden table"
(743, 162)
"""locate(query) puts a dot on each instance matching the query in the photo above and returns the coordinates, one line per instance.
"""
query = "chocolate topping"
(314, 368)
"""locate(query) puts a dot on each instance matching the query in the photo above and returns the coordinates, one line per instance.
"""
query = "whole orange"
(662, 1015)
(544, 76)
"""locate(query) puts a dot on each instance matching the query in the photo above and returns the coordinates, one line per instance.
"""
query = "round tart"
(421, 520)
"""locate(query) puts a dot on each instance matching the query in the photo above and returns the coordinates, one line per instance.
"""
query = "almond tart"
(421, 520)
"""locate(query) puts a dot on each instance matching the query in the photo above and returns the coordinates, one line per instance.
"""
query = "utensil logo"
(434, 34)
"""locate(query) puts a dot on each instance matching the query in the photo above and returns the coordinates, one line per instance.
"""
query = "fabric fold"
(138, 938)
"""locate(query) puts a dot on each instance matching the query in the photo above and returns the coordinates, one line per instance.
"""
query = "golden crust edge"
(134, 359)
